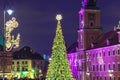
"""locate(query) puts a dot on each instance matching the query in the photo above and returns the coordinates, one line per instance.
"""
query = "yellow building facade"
(27, 64)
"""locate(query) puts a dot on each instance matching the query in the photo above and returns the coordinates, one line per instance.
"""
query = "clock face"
(91, 16)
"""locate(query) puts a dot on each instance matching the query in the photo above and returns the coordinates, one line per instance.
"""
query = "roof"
(72, 48)
(110, 37)
(27, 53)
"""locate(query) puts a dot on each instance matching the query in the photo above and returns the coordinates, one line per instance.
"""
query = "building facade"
(27, 63)
(95, 55)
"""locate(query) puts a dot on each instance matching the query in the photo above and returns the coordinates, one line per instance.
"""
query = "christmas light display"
(59, 68)
(10, 41)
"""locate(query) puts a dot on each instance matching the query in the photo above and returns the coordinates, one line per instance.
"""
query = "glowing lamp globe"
(59, 17)
(10, 11)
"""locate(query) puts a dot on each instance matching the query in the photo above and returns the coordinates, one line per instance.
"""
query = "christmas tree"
(59, 68)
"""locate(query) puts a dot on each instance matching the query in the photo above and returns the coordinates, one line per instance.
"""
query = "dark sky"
(37, 23)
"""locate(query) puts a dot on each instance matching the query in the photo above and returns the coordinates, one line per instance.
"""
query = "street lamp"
(9, 41)
(9, 11)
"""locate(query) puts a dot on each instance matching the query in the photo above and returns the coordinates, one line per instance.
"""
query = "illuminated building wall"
(27, 63)
(95, 55)
(22, 68)
(104, 63)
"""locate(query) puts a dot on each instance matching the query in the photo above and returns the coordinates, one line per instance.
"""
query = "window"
(114, 67)
(22, 62)
(13, 68)
(96, 54)
(17, 62)
(18, 69)
(93, 55)
(97, 77)
(110, 78)
(118, 67)
(114, 78)
(118, 78)
(118, 52)
(104, 53)
(96, 67)
(91, 24)
(105, 78)
(100, 67)
(100, 54)
(25, 62)
(109, 53)
(26, 68)
(109, 67)
(104, 67)
(12, 62)
(23, 69)
(93, 67)
(113, 52)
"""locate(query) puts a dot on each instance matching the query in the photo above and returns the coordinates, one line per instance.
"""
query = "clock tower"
(89, 30)
(89, 24)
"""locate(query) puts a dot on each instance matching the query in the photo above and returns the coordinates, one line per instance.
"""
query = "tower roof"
(90, 4)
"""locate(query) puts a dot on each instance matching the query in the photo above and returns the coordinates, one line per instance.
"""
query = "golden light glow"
(11, 42)
(59, 17)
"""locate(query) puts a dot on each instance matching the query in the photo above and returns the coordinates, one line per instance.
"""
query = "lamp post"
(9, 41)
(9, 11)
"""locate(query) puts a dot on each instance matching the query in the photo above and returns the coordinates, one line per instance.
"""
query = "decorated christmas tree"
(59, 68)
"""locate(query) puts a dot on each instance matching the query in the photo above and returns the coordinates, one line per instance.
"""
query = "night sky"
(37, 23)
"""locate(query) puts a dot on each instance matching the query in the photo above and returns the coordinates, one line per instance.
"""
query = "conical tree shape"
(59, 68)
